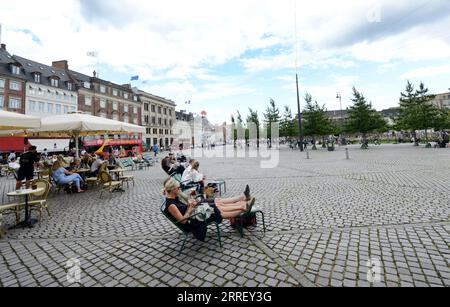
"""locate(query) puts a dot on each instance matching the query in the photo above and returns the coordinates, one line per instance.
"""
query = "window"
(2, 83)
(40, 92)
(73, 109)
(66, 97)
(102, 89)
(2, 104)
(125, 95)
(165, 122)
(14, 103)
(54, 82)
(37, 78)
(69, 86)
(161, 131)
(146, 107)
(135, 121)
(125, 108)
(153, 109)
(50, 108)
(170, 123)
(170, 112)
(135, 98)
(41, 107)
(126, 119)
(155, 131)
(135, 110)
(31, 106)
(87, 85)
(146, 119)
(153, 120)
(88, 101)
(15, 86)
(115, 116)
(15, 70)
(66, 109)
(102, 114)
(58, 109)
(159, 110)
(115, 92)
(115, 106)
(165, 111)
(159, 121)
(102, 103)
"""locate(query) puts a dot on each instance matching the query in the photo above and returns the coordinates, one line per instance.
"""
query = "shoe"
(250, 205)
(247, 193)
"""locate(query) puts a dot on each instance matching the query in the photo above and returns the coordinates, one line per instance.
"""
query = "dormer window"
(54, 82)
(15, 69)
(87, 85)
(69, 86)
(125, 95)
(37, 78)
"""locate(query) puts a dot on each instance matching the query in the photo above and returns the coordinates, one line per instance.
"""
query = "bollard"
(307, 154)
(347, 154)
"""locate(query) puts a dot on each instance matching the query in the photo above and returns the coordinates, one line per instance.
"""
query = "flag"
(134, 78)
(92, 54)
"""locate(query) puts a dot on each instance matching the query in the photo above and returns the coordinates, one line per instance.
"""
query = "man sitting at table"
(96, 165)
(26, 170)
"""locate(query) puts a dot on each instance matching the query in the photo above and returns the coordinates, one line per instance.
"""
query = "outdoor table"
(28, 222)
(39, 173)
(117, 172)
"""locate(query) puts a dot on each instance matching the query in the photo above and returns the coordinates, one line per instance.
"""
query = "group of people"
(63, 169)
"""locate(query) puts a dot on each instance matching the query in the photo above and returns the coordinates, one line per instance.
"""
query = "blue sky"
(228, 56)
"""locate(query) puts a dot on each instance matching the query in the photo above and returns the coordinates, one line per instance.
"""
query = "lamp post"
(338, 96)
(203, 114)
(300, 128)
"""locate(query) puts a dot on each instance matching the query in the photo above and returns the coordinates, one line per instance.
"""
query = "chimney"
(3, 46)
(61, 65)
(127, 86)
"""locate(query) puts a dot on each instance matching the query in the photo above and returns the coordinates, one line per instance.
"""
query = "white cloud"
(426, 72)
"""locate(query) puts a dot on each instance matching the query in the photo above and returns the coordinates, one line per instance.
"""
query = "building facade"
(105, 99)
(158, 116)
(442, 101)
(12, 83)
(49, 91)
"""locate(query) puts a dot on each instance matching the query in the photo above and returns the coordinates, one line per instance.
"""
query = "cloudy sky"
(229, 55)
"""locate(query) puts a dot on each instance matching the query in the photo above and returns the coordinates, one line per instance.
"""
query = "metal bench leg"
(263, 220)
(218, 235)
(183, 244)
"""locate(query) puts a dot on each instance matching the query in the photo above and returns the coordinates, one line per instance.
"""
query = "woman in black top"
(223, 209)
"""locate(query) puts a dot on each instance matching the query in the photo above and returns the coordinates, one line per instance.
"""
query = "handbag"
(202, 212)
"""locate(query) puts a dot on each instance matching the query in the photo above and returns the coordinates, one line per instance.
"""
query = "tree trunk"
(314, 146)
(416, 141)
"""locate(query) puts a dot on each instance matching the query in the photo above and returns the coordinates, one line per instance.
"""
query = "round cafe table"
(28, 222)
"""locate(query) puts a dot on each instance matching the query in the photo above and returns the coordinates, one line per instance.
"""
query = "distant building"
(158, 116)
(442, 101)
(50, 91)
(12, 83)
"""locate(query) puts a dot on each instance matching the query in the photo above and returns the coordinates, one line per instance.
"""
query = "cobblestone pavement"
(326, 218)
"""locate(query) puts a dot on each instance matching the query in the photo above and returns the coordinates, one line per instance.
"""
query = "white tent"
(16, 121)
(75, 125)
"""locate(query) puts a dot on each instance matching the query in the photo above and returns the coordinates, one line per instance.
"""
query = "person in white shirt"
(14, 165)
(192, 177)
(96, 165)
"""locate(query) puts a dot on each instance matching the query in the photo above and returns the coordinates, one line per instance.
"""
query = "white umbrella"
(78, 124)
(16, 121)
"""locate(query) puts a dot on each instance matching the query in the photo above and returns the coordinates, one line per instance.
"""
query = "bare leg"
(226, 201)
(240, 206)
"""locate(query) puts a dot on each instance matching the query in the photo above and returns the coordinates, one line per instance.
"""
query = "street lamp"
(338, 96)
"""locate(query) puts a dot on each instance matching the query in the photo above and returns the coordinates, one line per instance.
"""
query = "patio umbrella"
(16, 121)
(75, 125)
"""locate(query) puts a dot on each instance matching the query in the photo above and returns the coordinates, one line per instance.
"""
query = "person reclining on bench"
(63, 176)
(223, 209)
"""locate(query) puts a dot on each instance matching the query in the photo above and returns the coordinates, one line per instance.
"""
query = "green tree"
(408, 112)
(287, 126)
(316, 123)
(427, 113)
(253, 118)
(363, 118)
(271, 116)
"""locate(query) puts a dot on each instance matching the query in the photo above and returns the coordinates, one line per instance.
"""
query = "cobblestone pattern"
(390, 202)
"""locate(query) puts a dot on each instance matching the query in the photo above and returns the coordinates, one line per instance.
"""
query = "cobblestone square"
(330, 222)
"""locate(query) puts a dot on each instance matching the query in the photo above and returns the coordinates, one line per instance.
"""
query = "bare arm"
(173, 210)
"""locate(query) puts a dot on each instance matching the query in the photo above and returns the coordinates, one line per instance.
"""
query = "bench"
(148, 159)
(184, 232)
(126, 163)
